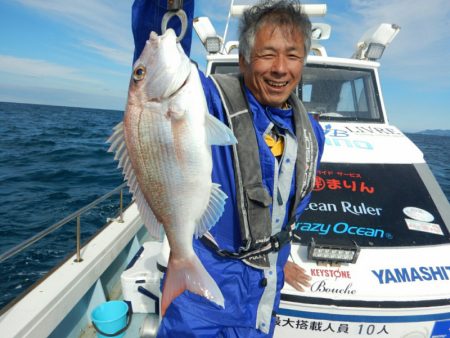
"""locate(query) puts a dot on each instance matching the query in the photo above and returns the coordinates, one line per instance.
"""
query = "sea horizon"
(56, 105)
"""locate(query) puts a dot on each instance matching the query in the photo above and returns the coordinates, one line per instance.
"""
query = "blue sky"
(79, 53)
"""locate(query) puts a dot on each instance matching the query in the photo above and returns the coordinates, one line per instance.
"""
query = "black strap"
(174, 5)
(274, 244)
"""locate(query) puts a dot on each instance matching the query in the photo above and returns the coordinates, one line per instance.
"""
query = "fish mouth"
(172, 95)
(181, 87)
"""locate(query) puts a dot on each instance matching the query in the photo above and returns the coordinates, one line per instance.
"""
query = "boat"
(375, 237)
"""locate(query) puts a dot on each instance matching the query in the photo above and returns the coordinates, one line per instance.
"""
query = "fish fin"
(118, 146)
(212, 212)
(189, 274)
(116, 138)
(218, 133)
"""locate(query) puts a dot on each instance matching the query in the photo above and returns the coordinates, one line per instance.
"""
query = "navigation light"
(373, 43)
(207, 34)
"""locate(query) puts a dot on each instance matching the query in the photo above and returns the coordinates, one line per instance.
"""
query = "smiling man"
(268, 176)
(272, 69)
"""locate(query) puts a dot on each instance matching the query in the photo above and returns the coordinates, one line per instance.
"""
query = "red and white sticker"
(431, 228)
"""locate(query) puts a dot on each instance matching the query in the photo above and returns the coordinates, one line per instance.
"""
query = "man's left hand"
(296, 276)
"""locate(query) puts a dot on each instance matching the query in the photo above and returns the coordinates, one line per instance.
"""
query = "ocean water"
(436, 150)
(54, 160)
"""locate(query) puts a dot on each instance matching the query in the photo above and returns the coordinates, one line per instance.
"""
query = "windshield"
(224, 67)
(340, 94)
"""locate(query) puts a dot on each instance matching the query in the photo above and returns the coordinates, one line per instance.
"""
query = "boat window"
(340, 94)
(373, 205)
(224, 67)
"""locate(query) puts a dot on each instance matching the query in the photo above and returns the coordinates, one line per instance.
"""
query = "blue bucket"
(111, 319)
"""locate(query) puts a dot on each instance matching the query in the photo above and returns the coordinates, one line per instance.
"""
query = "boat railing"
(76, 215)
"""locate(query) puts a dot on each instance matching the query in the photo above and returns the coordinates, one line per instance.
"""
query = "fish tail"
(190, 275)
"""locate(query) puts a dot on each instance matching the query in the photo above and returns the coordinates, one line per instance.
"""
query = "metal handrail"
(25, 244)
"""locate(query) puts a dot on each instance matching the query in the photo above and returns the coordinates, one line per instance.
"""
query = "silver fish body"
(164, 147)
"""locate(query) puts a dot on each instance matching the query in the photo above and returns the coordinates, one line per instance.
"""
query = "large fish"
(164, 148)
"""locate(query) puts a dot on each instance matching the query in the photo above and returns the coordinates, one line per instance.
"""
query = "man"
(268, 175)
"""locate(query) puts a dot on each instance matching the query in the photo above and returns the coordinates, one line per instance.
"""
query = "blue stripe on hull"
(364, 318)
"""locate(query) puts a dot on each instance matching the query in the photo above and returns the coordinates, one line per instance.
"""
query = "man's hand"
(296, 276)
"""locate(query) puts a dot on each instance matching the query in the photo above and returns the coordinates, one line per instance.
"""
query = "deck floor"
(134, 330)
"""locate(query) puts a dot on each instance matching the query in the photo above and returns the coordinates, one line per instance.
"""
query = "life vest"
(253, 199)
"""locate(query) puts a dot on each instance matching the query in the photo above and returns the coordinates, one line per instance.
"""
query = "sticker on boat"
(418, 214)
(431, 228)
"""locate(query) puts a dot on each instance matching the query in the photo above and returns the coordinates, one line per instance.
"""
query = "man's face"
(276, 64)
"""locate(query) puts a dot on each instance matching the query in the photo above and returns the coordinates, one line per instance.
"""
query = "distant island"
(437, 132)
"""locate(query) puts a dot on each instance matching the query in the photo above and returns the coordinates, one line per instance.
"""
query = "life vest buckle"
(280, 239)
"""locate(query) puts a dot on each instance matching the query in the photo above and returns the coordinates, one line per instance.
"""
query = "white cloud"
(119, 56)
(108, 21)
(421, 50)
(40, 81)
(425, 24)
(41, 69)
(91, 98)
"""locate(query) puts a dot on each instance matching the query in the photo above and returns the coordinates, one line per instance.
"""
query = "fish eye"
(139, 72)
